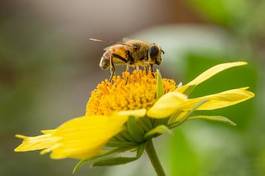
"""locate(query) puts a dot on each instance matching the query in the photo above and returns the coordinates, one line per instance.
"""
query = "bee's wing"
(125, 42)
(116, 44)
(125, 39)
(101, 41)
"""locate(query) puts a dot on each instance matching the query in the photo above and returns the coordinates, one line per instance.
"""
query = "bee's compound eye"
(154, 50)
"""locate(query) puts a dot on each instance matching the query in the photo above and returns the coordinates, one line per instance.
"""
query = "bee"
(132, 53)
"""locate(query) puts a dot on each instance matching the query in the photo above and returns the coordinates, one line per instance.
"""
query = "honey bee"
(132, 53)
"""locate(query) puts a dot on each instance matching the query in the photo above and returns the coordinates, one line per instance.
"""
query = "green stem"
(150, 150)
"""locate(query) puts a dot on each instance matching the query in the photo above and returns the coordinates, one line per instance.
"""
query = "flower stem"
(150, 150)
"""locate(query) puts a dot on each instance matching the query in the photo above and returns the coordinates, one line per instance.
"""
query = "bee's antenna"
(97, 40)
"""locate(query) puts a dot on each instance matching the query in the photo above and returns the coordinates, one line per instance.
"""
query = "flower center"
(130, 91)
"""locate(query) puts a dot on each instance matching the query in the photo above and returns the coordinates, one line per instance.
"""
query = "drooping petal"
(167, 105)
(78, 138)
(220, 100)
(208, 74)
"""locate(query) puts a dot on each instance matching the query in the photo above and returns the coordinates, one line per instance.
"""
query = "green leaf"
(160, 129)
(214, 118)
(120, 160)
(159, 85)
(135, 131)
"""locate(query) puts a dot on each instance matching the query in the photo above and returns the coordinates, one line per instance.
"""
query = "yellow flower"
(124, 114)
(130, 91)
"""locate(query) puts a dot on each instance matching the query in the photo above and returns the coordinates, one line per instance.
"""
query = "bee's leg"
(127, 67)
(151, 68)
(112, 69)
(127, 70)
(146, 68)
(112, 72)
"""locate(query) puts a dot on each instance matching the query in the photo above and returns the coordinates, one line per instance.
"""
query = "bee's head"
(104, 61)
(155, 53)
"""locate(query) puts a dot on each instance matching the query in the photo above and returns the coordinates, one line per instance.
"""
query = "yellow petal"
(35, 143)
(208, 74)
(78, 138)
(167, 105)
(221, 100)
(136, 113)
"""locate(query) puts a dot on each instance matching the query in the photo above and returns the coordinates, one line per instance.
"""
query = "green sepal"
(123, 139)
(158, 130)
(120, 160)
(159, 85)
(107, 153)
(135, 131)
(173, 122)
(214, 118)
(146, 123)
(120, 143)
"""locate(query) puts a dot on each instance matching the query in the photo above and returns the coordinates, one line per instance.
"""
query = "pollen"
(129, 91)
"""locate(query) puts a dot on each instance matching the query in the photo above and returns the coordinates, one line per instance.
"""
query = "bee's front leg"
(112, 69)
(112, 72)
(151, 68)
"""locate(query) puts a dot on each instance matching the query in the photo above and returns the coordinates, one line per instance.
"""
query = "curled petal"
(208, 74)
(167, 105)
(78, 138)
(220, 100)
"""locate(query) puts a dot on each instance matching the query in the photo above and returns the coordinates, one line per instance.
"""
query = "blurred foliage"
(183, 159)
(224, 12)
(244, 19)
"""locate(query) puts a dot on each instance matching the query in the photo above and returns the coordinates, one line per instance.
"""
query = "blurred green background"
(48, 67)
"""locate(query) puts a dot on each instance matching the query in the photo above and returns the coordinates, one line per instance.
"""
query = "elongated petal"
(208, 74)
(221, 100)
(36, 143)
(167, 105)
(78, 138)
